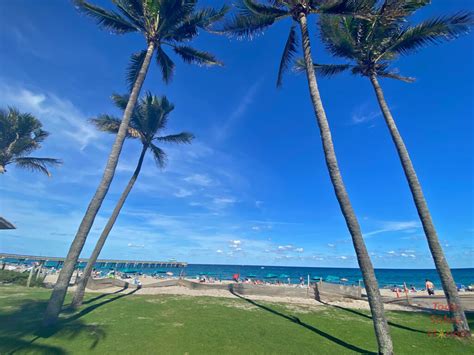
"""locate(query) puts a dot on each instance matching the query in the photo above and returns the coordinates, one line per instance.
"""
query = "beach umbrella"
(128, 271)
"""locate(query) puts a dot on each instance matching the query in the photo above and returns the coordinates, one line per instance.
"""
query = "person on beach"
(429, 287)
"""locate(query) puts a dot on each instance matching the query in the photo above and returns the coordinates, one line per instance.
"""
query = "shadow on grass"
(297, 321)
(26, 321)
(353, 311)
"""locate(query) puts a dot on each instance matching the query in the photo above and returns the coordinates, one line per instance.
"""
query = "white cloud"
(224, 128)
(299, 250)
(182, 193)
(342, 257)
(395, 226)
(199, 179)
(222, 202)
(391, 252)
(363, 114)
(331, 245)
(219, 251)
(58, 115)
(133, 245)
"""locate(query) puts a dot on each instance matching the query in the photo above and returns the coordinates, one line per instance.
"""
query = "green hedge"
(18, 278)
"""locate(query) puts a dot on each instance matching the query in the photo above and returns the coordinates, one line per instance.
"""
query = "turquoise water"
(385, 277)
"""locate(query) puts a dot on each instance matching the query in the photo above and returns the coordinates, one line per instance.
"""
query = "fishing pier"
(57, 262)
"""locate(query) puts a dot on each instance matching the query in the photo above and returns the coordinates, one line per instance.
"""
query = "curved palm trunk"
(456, 310)
(60, 288)
(373, 293)
(81, 286)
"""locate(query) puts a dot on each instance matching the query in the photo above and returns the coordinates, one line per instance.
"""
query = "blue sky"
(253, 187)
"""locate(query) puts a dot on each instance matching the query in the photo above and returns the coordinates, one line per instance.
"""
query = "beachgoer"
(429, 287)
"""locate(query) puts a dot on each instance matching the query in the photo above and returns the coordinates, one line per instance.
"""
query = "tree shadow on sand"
(297, 321)
(26, 322)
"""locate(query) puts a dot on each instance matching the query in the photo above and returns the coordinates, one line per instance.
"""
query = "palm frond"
(183, 137)
(357, 8)
(396, 76)
(37, 164)
(133, 69)
(288, 54)
(433, 31)
(337, 37)
(109, 20)
(120, 101)
(241, 26)
(111, 124)
(194, 56)
(159, 155)
(327, 70)
(250, 7)
(166, 65)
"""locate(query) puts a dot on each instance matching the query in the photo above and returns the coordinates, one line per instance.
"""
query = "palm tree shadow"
(296, 320)
(93, 299)
(47, 332)
(353, 311)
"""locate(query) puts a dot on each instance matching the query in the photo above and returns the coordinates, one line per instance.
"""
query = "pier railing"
(112, 263)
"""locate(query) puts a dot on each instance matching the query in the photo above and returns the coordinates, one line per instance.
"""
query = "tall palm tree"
(21, 134)
(148, 120)
(370, 47)
(163, 24)
(254, 18)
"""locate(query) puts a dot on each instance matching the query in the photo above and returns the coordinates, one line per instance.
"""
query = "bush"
(19, 278)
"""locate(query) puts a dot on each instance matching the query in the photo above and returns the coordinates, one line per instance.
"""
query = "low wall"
(273, 291)
(330, 291)
(321, 290)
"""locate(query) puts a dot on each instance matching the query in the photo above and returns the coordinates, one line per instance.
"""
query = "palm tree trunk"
(81, 286)
(373, 293)
(60, 288)
(460, 323)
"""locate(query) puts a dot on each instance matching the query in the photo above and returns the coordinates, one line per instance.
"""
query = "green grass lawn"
(203, 325)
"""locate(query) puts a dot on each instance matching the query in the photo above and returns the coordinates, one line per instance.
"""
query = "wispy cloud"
(395, 226)
(223, 130)
(364, 114)
(57, 114)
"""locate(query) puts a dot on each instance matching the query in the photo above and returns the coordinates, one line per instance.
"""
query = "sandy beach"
(417, 301)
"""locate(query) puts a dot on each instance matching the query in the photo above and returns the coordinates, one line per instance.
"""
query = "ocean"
(385, 277)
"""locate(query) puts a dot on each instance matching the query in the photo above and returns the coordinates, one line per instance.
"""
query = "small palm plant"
(370, 47)
(21, 134)
(148, 120)
(162, 23)
(252, 19)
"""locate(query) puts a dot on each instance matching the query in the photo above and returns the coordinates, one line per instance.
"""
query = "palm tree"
(163, 24)
(370, 47)
(148, 120)
(254, 18)
(21, 134)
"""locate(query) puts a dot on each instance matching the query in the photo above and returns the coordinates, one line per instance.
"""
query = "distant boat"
(284, 276)
(169, 273)
(344, 279)
(251, 275)
(317, 278)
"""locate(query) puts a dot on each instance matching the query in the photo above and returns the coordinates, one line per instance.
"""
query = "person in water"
(429, 287)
